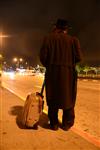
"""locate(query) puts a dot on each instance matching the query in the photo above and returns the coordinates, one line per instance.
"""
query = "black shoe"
(54, 127)
(67, 126)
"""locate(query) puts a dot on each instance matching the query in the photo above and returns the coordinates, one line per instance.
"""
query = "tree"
(86, 69)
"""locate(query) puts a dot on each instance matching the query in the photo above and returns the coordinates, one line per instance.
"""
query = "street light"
(18, 61)
(1, 38)
(15, 59)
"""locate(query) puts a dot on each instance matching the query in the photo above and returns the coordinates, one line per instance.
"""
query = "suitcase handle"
(42, 89)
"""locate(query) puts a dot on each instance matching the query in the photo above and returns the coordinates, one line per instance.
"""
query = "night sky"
(27, 21)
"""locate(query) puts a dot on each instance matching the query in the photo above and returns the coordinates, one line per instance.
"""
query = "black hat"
(62, 24)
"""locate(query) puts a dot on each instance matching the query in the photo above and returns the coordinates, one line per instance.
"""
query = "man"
(59, 54)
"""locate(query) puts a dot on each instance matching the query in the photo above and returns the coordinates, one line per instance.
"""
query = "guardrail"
(89, 76)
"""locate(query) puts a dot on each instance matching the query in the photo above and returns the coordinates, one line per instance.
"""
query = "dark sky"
(27, 21)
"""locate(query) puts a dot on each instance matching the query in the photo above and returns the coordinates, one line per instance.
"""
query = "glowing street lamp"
(15, 59)
(18, 61)
(1, 38)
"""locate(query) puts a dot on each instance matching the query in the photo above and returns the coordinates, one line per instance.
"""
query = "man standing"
(59, 54)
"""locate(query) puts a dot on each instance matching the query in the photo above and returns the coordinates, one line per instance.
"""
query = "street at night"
(87, 106)
(58, 40)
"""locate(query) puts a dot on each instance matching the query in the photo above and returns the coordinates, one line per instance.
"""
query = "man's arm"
(77, 50)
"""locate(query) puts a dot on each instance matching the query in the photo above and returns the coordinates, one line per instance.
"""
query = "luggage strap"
(42, 89)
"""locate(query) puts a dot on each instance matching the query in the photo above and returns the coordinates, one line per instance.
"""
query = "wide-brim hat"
(63, 24)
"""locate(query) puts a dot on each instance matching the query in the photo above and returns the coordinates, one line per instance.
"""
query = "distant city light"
(1, 38)
(1, 56)
(18, 62)
(20, 59)
(15, 59)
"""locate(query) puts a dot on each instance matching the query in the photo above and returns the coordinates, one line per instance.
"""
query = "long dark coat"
(59, 54)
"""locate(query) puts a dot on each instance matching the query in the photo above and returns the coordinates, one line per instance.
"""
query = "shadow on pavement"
(17, 111)
(43, 122)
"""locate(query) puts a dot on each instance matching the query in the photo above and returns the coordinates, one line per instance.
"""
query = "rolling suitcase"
(33, 109)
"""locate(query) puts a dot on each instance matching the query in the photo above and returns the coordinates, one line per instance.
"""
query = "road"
(87, 109)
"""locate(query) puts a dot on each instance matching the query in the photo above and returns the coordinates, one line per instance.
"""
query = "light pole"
(1, 44)
(2, 36)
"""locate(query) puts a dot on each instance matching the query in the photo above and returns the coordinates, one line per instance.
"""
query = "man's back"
(59, 48)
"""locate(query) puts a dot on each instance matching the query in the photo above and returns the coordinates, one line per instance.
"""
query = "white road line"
(38, 86)
(3, 85)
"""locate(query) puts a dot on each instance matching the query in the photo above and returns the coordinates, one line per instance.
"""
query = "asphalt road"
(14, 136)
(87, 108)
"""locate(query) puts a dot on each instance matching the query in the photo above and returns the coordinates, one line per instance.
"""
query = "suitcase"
(33, 109)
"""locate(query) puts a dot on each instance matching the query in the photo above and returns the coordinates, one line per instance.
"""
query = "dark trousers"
(67, 118)
(53, 115)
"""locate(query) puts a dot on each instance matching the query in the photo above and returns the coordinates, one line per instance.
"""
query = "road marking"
(83, 134)
(4, 85)
(38, 86)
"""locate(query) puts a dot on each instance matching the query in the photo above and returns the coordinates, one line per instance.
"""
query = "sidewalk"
(14, 137)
